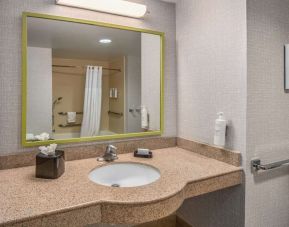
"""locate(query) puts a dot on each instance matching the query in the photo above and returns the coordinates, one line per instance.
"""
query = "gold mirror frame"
(26, 143)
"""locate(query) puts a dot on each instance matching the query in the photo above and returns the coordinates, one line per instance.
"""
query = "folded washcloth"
(43, 136)
(71, 117)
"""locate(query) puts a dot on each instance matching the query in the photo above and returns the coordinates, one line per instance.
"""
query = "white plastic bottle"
(220, 130)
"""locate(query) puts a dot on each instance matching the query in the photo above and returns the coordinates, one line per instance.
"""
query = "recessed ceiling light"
(105, 41)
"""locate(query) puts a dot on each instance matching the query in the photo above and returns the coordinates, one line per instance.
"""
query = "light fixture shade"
(119, 7)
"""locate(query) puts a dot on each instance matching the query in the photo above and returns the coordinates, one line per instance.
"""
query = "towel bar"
(256, 164)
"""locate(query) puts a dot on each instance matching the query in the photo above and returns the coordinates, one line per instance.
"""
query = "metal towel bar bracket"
(256, 164)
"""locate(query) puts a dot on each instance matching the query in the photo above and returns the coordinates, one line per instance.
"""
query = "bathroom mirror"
(85, 81)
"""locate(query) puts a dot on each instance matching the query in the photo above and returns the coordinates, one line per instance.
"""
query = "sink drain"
(115, 185)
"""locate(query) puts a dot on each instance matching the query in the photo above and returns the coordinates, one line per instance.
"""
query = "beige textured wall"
(267, 194)
(161, 17)
(69, 83)
(211, 58)
(211, 47)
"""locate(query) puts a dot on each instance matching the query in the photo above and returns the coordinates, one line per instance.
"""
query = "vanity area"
(73, 199)
(88, 86)
(198, 88)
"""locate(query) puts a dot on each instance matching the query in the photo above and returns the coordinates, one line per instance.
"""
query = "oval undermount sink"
(124, 175)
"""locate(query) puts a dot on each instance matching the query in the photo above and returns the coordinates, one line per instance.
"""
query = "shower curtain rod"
(74, 66)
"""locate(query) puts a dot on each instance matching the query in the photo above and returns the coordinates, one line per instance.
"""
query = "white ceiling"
(75, 40)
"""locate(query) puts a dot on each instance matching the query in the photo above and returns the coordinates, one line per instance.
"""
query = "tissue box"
(50, 166)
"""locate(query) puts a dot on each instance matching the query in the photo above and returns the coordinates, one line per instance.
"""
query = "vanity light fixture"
(105, 41)
(120, 7)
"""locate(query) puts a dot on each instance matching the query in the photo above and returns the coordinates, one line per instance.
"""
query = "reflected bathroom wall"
(69, 83)
(39, 92)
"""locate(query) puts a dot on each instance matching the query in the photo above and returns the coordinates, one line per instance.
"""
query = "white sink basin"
(124, 175)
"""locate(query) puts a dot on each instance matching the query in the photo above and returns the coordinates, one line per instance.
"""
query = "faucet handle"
(109, 155)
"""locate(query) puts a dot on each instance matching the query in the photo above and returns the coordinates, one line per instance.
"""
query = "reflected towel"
(43, 136)
(144, 118)
(30, 136)
(71, 117)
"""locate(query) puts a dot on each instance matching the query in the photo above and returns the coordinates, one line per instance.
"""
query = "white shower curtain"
(92, 102)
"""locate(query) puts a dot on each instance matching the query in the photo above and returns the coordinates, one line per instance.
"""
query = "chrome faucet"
(110, 154)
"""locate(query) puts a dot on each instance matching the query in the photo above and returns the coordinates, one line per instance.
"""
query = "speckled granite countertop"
(73, 200)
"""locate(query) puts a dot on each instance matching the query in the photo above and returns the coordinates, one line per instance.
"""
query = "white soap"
(143, 151)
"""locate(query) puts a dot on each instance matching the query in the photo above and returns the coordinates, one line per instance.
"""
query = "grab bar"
(116, 113)
(68, 125)
(256, 164)
(65, 113)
